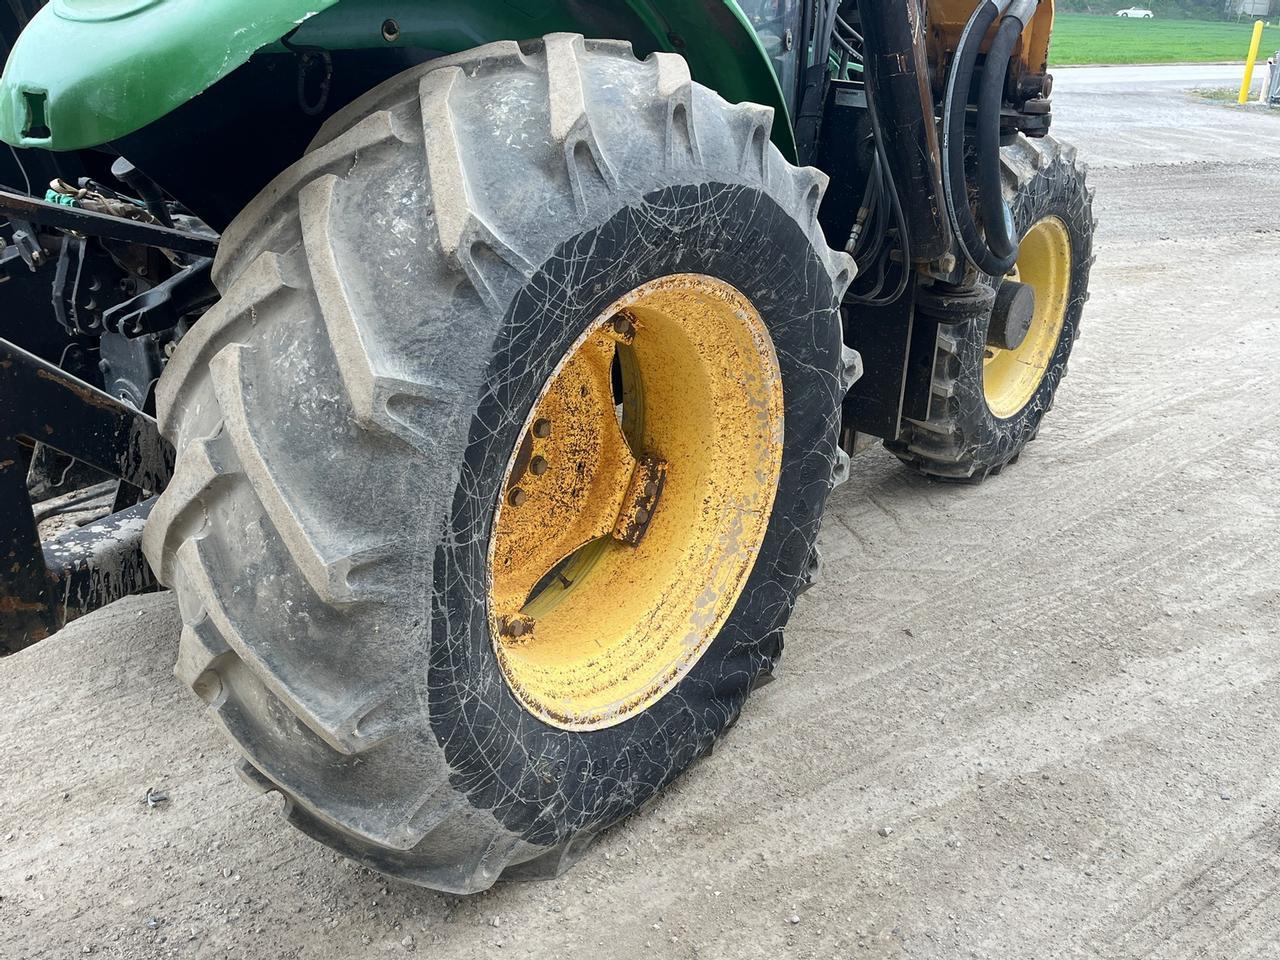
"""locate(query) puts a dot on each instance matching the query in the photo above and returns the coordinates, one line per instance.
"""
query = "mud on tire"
(963, 439)
(391, 306)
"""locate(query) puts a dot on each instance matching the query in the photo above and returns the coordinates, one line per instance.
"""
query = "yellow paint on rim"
(626, 531)
(1010, 378)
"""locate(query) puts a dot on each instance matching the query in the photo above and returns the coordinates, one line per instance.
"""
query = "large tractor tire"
(502, 458)
(987, 403)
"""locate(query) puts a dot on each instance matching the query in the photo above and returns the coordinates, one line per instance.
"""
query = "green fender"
(85, 72)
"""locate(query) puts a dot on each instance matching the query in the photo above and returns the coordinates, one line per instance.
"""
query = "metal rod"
(17, 207)
(1254, 43)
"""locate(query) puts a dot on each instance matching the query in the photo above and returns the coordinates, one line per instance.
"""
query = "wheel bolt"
(515, 627)
(622, 325)
(651, 489)
(517, 497)
(542, 428)
(538, 466)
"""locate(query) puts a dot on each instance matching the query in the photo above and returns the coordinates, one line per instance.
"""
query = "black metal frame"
(53, 583)
(887, 335)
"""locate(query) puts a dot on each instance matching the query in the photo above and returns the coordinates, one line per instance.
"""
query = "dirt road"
(1035, 718)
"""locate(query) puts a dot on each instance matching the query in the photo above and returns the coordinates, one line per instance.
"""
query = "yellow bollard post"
(1248, 64)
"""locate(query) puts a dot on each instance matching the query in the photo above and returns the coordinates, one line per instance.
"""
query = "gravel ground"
(1035, 718)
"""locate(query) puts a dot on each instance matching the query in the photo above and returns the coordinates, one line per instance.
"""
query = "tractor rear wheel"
(502, 458)
(988, 402)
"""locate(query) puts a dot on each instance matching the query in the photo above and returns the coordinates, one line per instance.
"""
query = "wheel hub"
(635, 502)
(572, 479)
(1010, 377)
(1011, 315)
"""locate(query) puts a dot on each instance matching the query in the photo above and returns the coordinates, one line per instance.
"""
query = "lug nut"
(651, 489)
(515, 627)
(542, 428)
(538, 466)
(622, 325)
(517, 497)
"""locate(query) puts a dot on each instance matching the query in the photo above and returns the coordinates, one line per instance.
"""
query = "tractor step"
(45, 585)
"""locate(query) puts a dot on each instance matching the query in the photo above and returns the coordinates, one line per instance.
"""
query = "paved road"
(1060, 690)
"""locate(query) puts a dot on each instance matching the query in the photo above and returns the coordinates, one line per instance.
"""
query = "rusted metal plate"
(568, 485)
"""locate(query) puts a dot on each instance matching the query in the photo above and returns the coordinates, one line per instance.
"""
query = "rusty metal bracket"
(641, 500)
(43, 586)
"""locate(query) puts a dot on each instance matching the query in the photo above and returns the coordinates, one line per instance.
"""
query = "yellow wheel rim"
(1010, 378)
(627, 530)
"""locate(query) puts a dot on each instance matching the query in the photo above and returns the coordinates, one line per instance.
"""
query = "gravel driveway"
(1036, 718)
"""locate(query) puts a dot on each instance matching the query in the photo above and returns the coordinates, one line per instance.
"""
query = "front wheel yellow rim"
(1010, 378)
(635, 502)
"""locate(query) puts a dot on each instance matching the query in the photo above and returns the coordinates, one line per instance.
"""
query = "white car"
(1140, 12)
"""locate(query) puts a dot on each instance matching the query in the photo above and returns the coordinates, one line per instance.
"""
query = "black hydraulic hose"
(956, 191)
(889, 189)
(843, 23)
(822, 42)
(995, 220)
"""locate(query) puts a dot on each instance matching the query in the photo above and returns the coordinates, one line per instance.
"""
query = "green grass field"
(1080, 38)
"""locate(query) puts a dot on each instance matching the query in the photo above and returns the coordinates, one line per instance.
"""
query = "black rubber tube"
(957, 184)
(889, 192)
(995, 221)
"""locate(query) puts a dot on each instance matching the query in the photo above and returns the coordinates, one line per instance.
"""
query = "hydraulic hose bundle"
(882, 237)
(993, 248)
(881, 199)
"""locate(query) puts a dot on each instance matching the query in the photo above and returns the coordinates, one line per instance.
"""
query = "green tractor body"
(87, 72)
(476, 373)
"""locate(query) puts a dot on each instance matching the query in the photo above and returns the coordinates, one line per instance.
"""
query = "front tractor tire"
(987, 403)
(502, 457)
